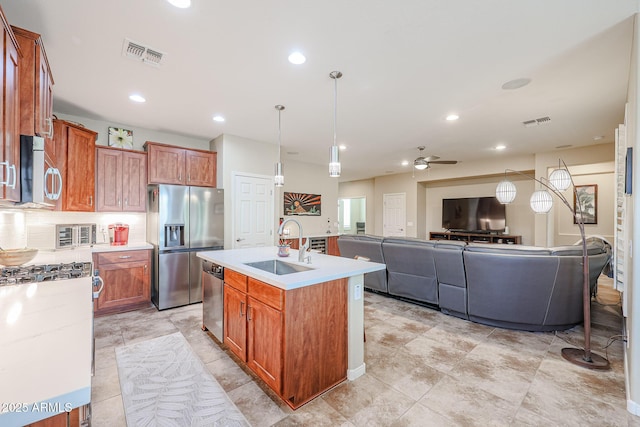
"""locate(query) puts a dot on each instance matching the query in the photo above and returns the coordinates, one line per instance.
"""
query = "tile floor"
(423, 368)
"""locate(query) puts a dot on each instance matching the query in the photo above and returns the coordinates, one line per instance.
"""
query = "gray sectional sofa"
(510, 286)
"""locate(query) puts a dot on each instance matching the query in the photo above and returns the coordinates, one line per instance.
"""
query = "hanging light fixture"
(505, 191)
(334, 158)
(279, 174)
(560, 178)
(541, 201)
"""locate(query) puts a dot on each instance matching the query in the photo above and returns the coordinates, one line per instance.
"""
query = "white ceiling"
(406, 65)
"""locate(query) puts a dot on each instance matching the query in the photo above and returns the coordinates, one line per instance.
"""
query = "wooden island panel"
(295, 340)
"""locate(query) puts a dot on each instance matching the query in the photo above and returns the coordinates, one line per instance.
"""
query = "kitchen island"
(45, 349)
(301, 332)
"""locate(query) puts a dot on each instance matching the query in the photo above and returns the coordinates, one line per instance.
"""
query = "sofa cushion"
(500, 248)
(365, 245)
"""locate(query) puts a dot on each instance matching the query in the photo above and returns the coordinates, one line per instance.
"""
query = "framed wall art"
(120, 138)
(587, 197)
(302, 204)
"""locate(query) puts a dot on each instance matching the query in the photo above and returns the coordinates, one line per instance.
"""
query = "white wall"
(237, 154)
(140, 135)
(632, 359)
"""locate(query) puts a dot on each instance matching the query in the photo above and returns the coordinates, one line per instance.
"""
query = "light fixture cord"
(279, 134)
(335, 110)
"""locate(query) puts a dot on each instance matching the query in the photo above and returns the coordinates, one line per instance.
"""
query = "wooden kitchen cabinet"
(127, 280)
(332, 246)
(36, 85)
(121, 180)
(168, 164)
(295, 340)
(76, 159)
(9, 115)
(64, 419)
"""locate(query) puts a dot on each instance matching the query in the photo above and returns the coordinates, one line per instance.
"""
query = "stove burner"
(44, 273)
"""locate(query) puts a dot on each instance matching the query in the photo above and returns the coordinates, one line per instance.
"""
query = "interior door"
(394, 215)
(252, 215)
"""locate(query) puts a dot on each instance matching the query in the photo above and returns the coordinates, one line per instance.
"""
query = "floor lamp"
(541, 202)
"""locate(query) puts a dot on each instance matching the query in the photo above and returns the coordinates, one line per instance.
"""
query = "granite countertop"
(323, 267)
(45, 349)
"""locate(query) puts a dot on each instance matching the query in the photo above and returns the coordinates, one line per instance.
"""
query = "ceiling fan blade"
(444, 162)
(431, 158)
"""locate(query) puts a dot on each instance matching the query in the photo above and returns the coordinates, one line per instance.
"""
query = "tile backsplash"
(21, 228)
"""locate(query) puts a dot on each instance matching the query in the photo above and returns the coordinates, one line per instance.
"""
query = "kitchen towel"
(164, 383)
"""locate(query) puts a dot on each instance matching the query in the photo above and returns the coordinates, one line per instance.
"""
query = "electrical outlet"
(357, 292)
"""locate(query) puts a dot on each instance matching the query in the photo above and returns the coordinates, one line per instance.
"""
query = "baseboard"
(352, 374)
(632, 406)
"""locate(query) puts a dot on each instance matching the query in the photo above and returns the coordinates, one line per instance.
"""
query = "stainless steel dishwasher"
(212, 298)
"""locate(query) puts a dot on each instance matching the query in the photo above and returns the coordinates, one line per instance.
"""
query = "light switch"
(357, 292)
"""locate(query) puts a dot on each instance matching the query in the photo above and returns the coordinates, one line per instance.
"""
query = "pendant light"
(279, 170)
(334, 157)
(560, 178)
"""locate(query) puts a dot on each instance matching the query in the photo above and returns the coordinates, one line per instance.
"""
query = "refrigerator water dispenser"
(174, 235)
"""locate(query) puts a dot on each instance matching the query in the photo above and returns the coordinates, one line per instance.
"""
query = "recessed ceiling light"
(452, 117)
(500, 147)
(342, 147)
(405, 163)
(182, 4)
(137, 98)
(297, 58)
(218, 119)
(516, 83)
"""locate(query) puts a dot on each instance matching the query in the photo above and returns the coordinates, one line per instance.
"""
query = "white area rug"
(164, 383)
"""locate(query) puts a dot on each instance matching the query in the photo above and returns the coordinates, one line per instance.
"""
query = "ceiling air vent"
(536, 122)
(140, 52)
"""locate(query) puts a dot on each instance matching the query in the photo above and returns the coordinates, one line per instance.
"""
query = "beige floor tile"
(228, 373)
(139, 330)
(404, 372)
(259, 409)
(435, 354)
(468, 405)
(395, 331)
(537, 343)
(444, 336)
(105, 384)
(108, 413)
(316, 413)
(419, 415)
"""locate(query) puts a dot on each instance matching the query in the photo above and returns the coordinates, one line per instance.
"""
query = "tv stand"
(471, 237)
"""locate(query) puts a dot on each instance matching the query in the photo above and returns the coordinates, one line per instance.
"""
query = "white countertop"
(45, 349)
(82, 254)
(324, 267)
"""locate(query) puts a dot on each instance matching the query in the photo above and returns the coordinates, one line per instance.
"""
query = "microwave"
(75, 235)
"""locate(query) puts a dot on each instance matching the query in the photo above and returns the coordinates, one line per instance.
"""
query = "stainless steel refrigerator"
(182, 221)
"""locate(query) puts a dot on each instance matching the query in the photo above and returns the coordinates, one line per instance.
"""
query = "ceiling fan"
(422, 163)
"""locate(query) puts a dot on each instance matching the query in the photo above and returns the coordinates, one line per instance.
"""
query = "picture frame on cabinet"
(120, 138)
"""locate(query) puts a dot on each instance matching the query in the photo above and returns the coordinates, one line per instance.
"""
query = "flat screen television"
(474, 214)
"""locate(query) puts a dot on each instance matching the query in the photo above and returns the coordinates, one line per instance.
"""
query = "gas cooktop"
(44, 272)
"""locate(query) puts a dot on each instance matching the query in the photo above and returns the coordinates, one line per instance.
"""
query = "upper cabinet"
(76, 159)
(9, 115)
(121, 180)
(168, 164)
(36, 86)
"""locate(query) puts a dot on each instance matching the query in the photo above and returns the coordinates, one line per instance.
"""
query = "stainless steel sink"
(275, 266)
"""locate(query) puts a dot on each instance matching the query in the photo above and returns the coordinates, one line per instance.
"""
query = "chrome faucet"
(302, 248)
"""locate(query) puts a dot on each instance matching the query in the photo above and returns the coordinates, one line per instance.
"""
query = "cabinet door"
(125, 284)
(332, 246)
(265, 343)
(166, 164)
(11, 123)
(109, 180)
(201, 168)
(134, 182)
(80, 171)
(44, 94)
(235, 321)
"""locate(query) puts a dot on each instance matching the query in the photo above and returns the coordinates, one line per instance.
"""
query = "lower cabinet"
(127, 280)
(64, 419)
(295, 340)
